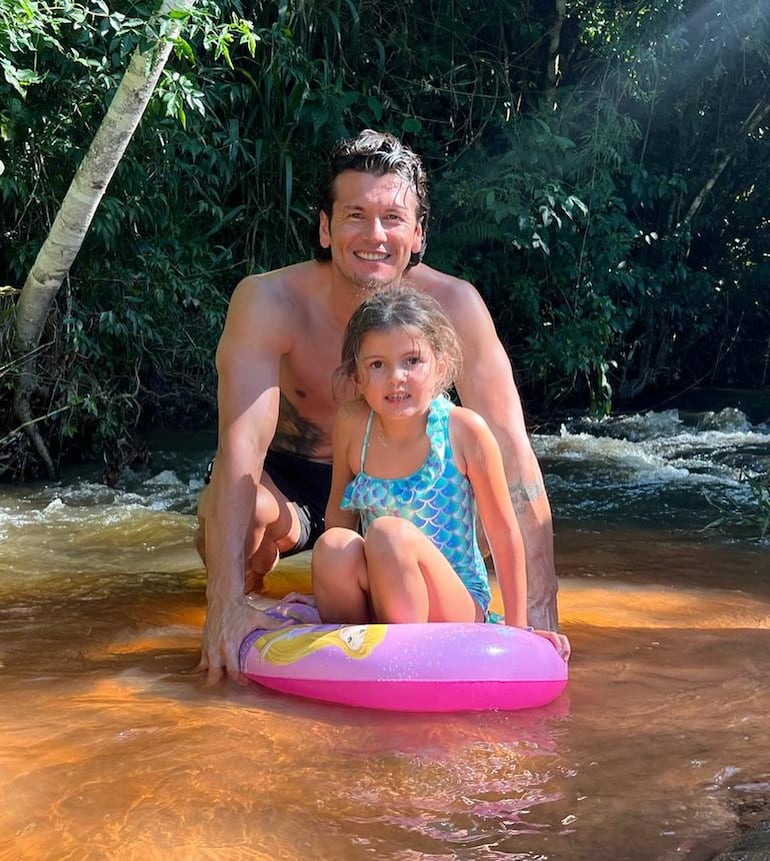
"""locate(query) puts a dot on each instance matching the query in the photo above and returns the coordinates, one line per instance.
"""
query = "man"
(280, 346)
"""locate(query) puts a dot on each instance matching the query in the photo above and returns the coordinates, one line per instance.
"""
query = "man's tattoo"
(295, 434)
(523, 495)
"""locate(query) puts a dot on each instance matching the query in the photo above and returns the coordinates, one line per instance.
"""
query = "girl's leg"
(410, 580)
(340, 584)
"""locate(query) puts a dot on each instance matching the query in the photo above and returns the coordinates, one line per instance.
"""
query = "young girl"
(409, 471)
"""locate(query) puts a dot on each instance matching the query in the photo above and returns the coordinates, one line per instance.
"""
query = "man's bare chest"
(310, 397)
(307, 373)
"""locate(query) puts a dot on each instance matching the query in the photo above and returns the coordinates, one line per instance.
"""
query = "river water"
(111, 748)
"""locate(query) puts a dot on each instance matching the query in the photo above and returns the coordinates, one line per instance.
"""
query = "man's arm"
(474, 445)
(248, 359)
(487, 386)
(342, 473)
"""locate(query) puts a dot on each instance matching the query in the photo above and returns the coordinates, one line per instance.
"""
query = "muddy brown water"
(110, 748)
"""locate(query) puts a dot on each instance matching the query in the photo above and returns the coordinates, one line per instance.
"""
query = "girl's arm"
(343, 433)
(478, 455)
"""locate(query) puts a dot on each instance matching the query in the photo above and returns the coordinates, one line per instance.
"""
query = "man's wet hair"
(379, 154)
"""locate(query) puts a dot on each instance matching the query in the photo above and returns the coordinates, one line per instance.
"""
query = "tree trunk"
(553, 69)
(749, 126)
(77, 210)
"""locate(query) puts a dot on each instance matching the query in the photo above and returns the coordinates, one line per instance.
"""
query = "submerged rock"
(754, 845)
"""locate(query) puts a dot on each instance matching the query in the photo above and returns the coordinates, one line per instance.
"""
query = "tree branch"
(749, 125)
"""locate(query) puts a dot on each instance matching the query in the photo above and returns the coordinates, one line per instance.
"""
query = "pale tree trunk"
(748, 127)
(553, 70)
(77, 210)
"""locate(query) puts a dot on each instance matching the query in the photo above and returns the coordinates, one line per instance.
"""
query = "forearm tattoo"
(523, 495)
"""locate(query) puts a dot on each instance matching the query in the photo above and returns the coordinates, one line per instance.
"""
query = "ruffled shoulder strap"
(438, 437)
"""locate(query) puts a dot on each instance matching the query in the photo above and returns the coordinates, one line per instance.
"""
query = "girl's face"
(397, 372)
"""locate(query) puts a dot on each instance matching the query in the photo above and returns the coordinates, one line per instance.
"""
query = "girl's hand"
(560, 642)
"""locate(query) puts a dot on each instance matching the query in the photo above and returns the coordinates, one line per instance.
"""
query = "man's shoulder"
(285, 292)
(438, 283)
(296, 280)
(458, 297)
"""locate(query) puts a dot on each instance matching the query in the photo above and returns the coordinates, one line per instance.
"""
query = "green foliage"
(630, 296)
(136, 349)
(613, 216)
(135, 331)
(552, 248)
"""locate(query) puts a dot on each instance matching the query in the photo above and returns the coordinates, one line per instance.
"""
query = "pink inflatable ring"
(436, 667)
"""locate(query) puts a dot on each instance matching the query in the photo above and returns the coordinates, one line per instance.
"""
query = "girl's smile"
(397, 372)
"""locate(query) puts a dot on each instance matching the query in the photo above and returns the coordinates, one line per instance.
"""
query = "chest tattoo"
(295, 434)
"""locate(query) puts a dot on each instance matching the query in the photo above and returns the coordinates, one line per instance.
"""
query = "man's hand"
(224, 629)
(559, 641)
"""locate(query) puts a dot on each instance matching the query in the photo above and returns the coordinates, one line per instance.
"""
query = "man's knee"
(267, 512)
(200, 543)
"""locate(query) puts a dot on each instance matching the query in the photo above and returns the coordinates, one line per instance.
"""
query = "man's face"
(373, 230)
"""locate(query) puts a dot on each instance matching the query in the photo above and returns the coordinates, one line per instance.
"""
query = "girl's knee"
(335, 540)
(388, 533)
(338, 569)
(335, 549)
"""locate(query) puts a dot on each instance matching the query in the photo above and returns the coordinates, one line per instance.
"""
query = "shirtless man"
(280, 346)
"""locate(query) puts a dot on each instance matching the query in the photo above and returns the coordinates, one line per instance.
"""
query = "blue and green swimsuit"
(437, 498)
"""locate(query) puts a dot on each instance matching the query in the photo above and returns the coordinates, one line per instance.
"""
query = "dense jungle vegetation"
(598, 169)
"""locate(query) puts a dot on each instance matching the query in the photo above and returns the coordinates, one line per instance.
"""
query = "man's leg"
(276, 528)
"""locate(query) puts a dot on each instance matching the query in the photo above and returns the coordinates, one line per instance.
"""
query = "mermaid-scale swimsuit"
(437, 498)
